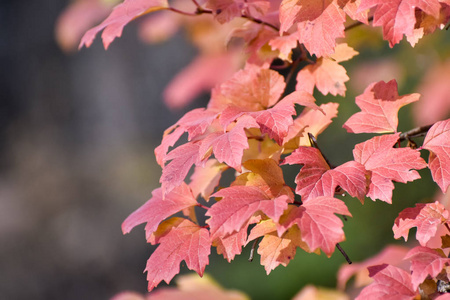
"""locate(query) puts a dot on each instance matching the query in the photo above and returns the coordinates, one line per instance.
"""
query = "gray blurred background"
(77, 134)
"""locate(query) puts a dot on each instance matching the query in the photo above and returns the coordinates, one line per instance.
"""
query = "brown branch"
(344, 254)
(252, 251)
(416, 132)
(356, 24)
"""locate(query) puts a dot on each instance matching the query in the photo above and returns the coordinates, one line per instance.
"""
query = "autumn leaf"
(187, 241)
(389, 283)
(228, 147)
(317, 179)
(397, 17)
(437, 141)
(226, 10)
(121, 15)
(319, 226)
(311, 292)
(424, 262)
(318, 24)
(258, 191)
(379, 105)
(275, 250)
(426, 217)
(205, 179)
(155, 210)
(387, 164)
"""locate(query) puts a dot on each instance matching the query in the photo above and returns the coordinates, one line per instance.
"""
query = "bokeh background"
(77, 133)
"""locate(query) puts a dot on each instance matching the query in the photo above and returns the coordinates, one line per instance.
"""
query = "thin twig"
(416, 132)
(446, 226)
(313, 142)
(292, 70)
(252, 251)
(356, 24)
(344, 254)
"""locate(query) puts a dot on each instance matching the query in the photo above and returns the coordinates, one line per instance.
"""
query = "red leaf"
(390, 283)
(182, 158)
(398, 16)
(229, 147)
(239, 203)
(437, 141)
(387, 163)
(187, 241)
(318, 25)
(426, 217)
(316, 179)
(424, 262)
(155, 210)
(121, 16)
(276, 120)
(319, 226)
(262, 190)
(379, 105)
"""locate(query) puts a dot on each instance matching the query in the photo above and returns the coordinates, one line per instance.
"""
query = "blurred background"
(77, 133)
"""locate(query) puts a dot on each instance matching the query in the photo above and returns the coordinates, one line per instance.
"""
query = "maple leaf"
(262, 190)
(157, 209)
(226, 10)
(186, 241)
(205, 179)
(426, 217)
(386, 164)
(437, 141)
(231, 245)
(389, 283)
(229, 146)
(121, 15)
(250, 89)
(318, 23)
(317, 179)
(182, 158)
(309, 121)
(275, 250)
(319, 226)
(379, 105)
(326, 74)
(424, 262)
(398, 16)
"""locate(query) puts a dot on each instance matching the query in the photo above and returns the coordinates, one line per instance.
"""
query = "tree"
(262, 61)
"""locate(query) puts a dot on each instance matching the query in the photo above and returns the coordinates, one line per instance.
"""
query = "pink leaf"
(426, 217)
(187, 241)
(182, 159)
(155, 210)
(437, 141)
(398, 16)
(386, 164)
(316, 179)
(318, 25)
(319, 226)
(239, 203)
(390, 283)
(379, 105)
(205, 179)
(121, 16)
(229, 147)
(424, 262)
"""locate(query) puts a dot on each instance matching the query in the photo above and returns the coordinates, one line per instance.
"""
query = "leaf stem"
(344, 254)
(446, 226)
(252, 251)
(202, 206)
